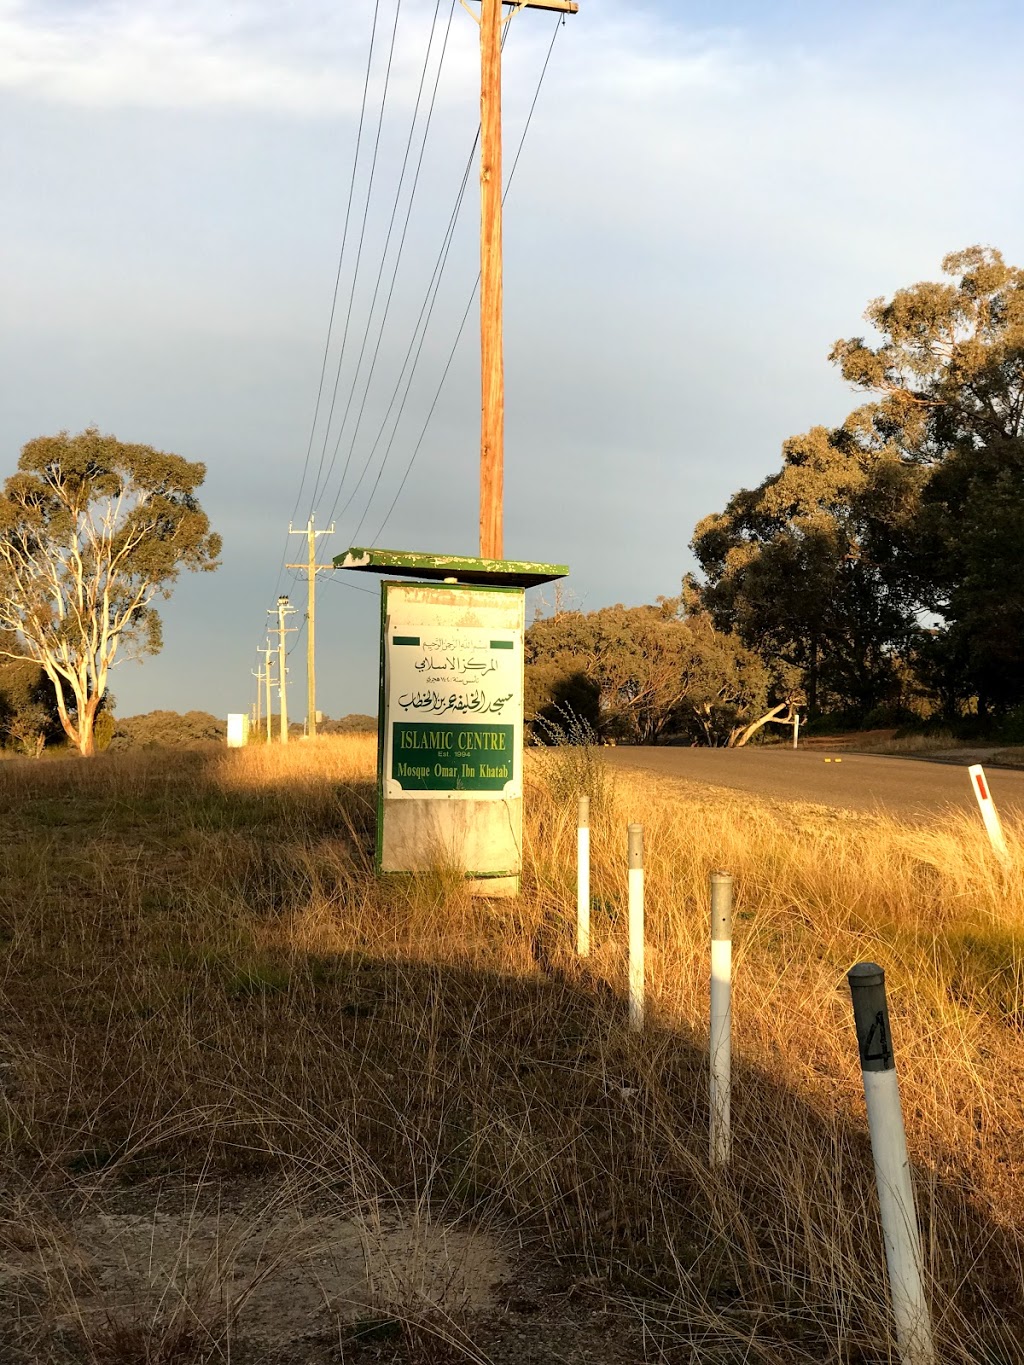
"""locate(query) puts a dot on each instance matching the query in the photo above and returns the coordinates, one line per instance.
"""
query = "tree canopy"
(642, 674)
(889, 542)
(799, 565)
(950, 375)
(92, 531)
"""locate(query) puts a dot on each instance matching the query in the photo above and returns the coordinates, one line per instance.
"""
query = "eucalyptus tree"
(655, 671)
(948, 375)
(801, 566)
(895, 535)
(92, 531)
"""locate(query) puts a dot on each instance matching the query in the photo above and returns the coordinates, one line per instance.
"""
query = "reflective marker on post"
(583, 879)
(636, 926)
(892, 1165)
(989, 813)
(721, 1016)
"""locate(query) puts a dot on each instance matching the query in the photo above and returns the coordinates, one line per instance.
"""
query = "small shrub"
(103, 730)
(27, 728)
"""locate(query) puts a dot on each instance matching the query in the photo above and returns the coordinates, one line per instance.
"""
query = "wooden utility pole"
(312, 569)
(492, 354)
(283, 610)
(269, 653)
(257, 715)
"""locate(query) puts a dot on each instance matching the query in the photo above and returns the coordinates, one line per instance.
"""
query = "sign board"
(455, 701)
(450, 778)
(238, 730)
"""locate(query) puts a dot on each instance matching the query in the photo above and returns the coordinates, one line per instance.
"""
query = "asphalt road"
(909, 788)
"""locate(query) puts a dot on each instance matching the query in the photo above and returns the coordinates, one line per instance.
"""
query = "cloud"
(307, 58)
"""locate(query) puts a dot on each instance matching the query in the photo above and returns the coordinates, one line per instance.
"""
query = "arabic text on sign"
(442, 646)
(438, 703)
(455, 663)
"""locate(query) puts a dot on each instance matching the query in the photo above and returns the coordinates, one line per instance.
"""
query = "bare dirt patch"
(193, 1281)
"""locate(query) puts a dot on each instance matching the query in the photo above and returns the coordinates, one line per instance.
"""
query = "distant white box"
(238, 730)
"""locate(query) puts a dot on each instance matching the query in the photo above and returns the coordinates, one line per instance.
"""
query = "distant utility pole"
(282, 611)
(257, 715)
(312, 569)
(492, 356)
(269, 652)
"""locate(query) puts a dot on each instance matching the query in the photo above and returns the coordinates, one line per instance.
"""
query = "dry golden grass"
(937, 741)
(203, 982)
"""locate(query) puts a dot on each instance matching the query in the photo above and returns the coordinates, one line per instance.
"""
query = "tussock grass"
(942, 744)
(935, 741)
(205, 987)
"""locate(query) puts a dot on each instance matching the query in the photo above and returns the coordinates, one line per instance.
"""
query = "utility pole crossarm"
(561, 6)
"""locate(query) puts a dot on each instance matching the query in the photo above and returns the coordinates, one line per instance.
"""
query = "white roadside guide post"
(636, 926)
(721, 1017)
(583, 879)
(796, 729)
(892, 1165)
(989, 814)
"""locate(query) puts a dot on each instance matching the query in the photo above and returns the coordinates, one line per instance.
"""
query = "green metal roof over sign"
(512, 573)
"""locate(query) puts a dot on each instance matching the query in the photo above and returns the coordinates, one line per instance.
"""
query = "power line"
(427, 308)
(458, 335)
(341, 254)
(344, 583)
(359, 248)
(423, 431)
(420, 331)
(398, 254)
(341, 257)
(337, 279)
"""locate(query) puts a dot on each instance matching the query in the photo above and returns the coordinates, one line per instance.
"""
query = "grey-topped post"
(583, 879)
(636, 926)
(721, 1017)
(892, 1165)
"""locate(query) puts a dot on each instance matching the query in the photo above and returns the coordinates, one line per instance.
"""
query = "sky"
(707, 197)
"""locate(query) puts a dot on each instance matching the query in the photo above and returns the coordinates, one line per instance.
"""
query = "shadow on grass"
(163, 1025)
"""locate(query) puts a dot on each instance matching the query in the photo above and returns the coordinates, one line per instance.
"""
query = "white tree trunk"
(739, 737)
